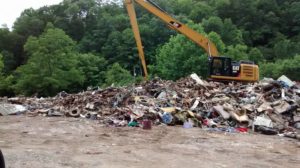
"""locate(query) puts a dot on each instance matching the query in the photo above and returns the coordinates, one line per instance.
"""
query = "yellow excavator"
(221, 68)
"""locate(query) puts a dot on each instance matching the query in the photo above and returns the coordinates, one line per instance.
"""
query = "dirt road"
(39, 142)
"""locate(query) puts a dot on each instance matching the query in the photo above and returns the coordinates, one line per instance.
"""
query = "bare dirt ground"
(39, 142)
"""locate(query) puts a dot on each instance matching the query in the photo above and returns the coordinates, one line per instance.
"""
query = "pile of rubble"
(270, 106)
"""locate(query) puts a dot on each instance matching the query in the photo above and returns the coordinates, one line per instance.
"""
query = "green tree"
(1, 64)
(213, 23)
(270, 70)
(51, 66)
(294, 16)
(216, 39)
(255, 55)
(108, 18)
(120, 47)
(181, 57)
(226, 29)
(289, 67)
(237, 52)
(118, 76)
(93, 68)
(75, 17)
(29, 23)
(231, 34)
(10, 48)
(6, 88)
(10, 62)
(284, 49)
(201, 10)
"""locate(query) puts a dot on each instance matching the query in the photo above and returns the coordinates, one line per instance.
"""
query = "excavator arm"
(136, 32)
(221, 68)
(199, 39)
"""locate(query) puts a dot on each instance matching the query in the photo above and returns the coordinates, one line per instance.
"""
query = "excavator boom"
(199, 39)
(137, 36)
(221, 68)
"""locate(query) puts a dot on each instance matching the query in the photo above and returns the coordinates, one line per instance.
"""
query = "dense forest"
(88, 43)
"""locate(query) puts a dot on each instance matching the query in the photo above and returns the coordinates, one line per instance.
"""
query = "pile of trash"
(270, 107)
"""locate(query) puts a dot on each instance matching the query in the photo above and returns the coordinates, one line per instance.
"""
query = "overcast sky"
(12, 9)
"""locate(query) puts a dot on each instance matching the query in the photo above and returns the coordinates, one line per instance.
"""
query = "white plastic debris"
(263, 121)
(196, 103)
(11, 109)
(198, 80)
(220, 110)
(286, 80)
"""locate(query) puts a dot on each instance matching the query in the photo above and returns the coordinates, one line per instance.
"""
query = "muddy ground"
(39, 142)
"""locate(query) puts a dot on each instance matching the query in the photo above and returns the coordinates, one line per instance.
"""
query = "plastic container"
(147, 124)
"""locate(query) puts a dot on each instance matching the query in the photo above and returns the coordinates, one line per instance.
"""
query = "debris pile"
(269, 107)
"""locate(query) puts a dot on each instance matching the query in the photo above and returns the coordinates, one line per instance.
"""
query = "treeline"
(87, 43)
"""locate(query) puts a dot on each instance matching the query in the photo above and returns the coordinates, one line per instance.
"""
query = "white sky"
(10, 10)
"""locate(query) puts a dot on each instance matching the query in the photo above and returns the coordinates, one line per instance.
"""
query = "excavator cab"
(223, 68)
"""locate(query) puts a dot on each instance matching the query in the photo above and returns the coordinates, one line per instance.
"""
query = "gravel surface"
(39, 142)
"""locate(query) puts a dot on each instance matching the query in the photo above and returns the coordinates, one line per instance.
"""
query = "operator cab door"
(222, 66)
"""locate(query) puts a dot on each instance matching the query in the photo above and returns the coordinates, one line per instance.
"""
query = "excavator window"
(217, 66)
(221, 66)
